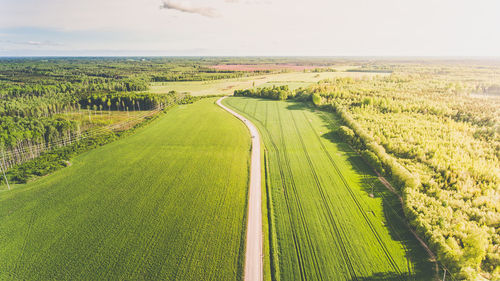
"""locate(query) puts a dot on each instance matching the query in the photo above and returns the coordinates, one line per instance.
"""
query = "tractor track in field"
(391, 226)
(255, 110)
(389, 187)
(296, 197)
(293, 204)
(284, 184)
(245, 107)
(366, 179)
(326, 203)
(25, 241)
(353, 197)
(285, 169)
(265, 120)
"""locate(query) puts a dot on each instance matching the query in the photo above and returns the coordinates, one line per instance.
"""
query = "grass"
(227, 86)
(103, 118)
(266, 259)
(323, 223)
(167, 203)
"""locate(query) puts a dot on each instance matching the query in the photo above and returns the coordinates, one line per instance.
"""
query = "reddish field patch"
(261, 67)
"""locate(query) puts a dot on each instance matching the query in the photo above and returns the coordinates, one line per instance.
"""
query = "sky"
(250, 28)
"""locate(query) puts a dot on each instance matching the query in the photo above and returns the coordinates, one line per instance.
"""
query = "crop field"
(330, 217)
(257, 67)
(227, 86)
(166, 203)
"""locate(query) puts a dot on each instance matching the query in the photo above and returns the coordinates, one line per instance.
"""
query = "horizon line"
(261, 56)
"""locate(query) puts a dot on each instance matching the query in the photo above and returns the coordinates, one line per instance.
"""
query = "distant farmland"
(227, 86)
(324, 223)
(260, 67)
(165, 203)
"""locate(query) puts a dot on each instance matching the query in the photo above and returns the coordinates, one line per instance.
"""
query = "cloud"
(34, 43)
(40, 43)
(203, 11)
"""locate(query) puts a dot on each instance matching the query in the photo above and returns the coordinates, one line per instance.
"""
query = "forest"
(47, 103)
(35, 91)
(434, 132)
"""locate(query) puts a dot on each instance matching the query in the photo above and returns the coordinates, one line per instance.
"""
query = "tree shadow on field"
(395, 221)
(385, 276)
(294, 105)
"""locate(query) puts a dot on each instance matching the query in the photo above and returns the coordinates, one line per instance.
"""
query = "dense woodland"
(434, 131)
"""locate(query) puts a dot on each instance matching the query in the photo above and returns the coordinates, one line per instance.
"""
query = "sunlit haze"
(250, 27)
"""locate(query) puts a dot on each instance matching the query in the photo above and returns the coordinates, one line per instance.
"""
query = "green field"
(167, 203)
(324, 223)
(227, 86)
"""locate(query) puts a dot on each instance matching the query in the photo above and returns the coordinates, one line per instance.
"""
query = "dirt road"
(253, 255)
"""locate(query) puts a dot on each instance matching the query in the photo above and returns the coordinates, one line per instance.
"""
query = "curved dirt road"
(253, 255)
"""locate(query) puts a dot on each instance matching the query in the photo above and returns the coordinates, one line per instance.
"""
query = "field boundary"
(391, 189)
(254, 237)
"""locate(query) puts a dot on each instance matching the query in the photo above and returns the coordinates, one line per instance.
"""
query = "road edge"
(254, 238)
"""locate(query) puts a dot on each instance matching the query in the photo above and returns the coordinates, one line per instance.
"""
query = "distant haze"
(250, 27)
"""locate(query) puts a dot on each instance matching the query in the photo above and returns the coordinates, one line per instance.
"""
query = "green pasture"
(167, 203)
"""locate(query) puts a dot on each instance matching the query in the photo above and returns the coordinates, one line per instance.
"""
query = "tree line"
(274, 92)
(126, 102)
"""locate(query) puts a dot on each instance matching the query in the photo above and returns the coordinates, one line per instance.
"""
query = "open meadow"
(166, 203)
(330, 218)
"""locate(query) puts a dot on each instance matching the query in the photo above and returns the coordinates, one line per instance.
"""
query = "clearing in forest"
(324, 225)
(167, 203)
